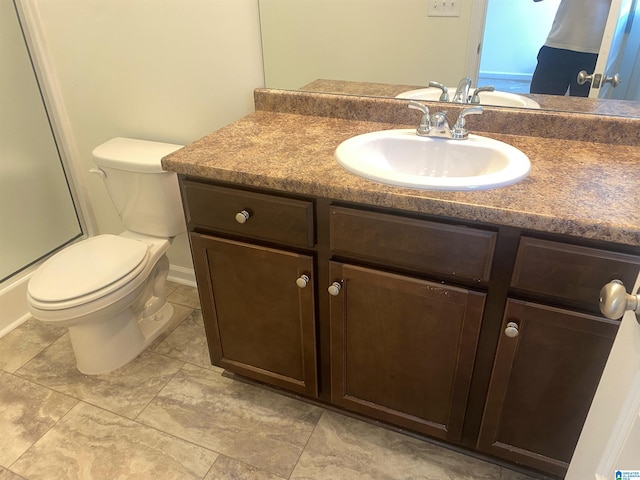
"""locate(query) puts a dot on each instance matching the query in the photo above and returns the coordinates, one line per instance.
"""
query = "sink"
(402, 158)
(496, 98)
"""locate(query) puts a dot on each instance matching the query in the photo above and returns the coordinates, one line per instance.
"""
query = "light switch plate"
(443, 8)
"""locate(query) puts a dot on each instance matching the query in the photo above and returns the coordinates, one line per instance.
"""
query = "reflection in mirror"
(386, 48)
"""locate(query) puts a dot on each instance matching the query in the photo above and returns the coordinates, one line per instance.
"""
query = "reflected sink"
(402, 158)
(496, 98)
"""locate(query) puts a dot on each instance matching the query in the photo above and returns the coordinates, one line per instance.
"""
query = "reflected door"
(615, 41)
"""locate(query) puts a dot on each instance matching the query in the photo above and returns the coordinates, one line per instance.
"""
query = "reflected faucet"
(462, 92)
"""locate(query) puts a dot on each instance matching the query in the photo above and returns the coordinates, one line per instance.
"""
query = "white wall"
(362, 40)
(165, 70)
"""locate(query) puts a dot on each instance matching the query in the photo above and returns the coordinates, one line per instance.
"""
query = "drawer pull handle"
(512, 330)
(242, 216)
(302, 281)
(334, 289)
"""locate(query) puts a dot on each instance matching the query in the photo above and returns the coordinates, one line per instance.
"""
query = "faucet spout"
(462, 92)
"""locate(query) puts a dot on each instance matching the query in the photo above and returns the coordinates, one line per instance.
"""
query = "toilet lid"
(87, 267)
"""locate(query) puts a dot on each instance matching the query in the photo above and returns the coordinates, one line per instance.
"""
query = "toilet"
(109, 290)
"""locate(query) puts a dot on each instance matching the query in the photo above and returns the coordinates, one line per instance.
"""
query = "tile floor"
(169, 414)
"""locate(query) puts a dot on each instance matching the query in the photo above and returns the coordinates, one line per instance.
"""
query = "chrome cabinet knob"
(302, 281)
(614, 300)
(512, 330)
(334, 289)
(242, 217)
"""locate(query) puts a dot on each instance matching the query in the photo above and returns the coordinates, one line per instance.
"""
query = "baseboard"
(182, 275)
(13, 304)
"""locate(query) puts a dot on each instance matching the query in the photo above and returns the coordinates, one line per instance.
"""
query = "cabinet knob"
(302, 281)
(242, 216)
(512, 330)
(614, 300)
(334, 289)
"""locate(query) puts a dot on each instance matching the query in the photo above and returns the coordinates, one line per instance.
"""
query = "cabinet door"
(402, 349)
(543, 381)
(259, 322)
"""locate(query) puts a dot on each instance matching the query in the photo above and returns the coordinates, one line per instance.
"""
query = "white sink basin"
(497, 99)
(400, 157)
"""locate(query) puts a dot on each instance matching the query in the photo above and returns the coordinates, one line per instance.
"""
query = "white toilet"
(109, 290)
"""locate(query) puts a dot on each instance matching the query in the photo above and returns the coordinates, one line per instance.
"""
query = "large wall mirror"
(391, 47)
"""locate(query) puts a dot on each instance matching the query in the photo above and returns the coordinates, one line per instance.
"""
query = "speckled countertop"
(577, 188)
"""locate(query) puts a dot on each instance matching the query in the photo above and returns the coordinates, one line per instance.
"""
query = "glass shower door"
(37, 213)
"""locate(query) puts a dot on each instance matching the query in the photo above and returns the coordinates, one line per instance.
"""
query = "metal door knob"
(614, 300)
(302, 281)
(334, 289)
(614, 81)
(242, 217)
(584, 77)
(512, 330)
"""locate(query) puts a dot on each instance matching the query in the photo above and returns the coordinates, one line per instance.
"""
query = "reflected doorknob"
(614, 300)
(584, 77)
(597, 80)
(614, 81)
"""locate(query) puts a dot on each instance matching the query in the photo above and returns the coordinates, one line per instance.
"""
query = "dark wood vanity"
(483, 334)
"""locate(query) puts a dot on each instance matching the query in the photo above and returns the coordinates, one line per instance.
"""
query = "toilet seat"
(87, 271)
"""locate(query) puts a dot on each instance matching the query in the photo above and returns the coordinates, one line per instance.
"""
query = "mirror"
(387, 47)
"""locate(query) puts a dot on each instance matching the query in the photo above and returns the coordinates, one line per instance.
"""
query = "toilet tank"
(146, 197)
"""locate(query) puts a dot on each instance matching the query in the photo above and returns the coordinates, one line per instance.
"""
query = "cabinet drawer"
(570, 272)
(417, 244)
(271, 217)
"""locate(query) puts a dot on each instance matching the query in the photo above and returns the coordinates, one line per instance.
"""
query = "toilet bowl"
(109, 290)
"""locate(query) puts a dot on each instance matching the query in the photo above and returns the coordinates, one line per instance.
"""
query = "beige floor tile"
(247, 423)
(25, 342)
(125, 391)
(7, 475)
(184, 295)
(92, 444)
(27, 412)
(343, 447)
(180, 312)
(187, 342)
(226, 468)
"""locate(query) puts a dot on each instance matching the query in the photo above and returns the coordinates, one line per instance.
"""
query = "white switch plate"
(443, 8)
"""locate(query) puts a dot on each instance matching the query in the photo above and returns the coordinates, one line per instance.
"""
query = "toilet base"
(123, 338)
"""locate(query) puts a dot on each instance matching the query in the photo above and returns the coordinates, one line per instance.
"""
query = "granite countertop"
(621, 108)
(577, 188)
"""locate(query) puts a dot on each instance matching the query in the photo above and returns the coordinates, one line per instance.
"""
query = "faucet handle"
(444, 96)
(425, 122)
(460, 131)
(476, 97)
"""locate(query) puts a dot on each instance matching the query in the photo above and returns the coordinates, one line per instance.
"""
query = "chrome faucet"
(437, 126)
(462, 92)
(460, 131)
(476, 97)
(444, 96)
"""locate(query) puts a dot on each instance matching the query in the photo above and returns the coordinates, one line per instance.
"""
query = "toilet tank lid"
(133, 155)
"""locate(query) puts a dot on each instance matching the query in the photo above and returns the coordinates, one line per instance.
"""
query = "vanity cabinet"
(482, 336)
(258, 302)
(552, 352)
(402, 347)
